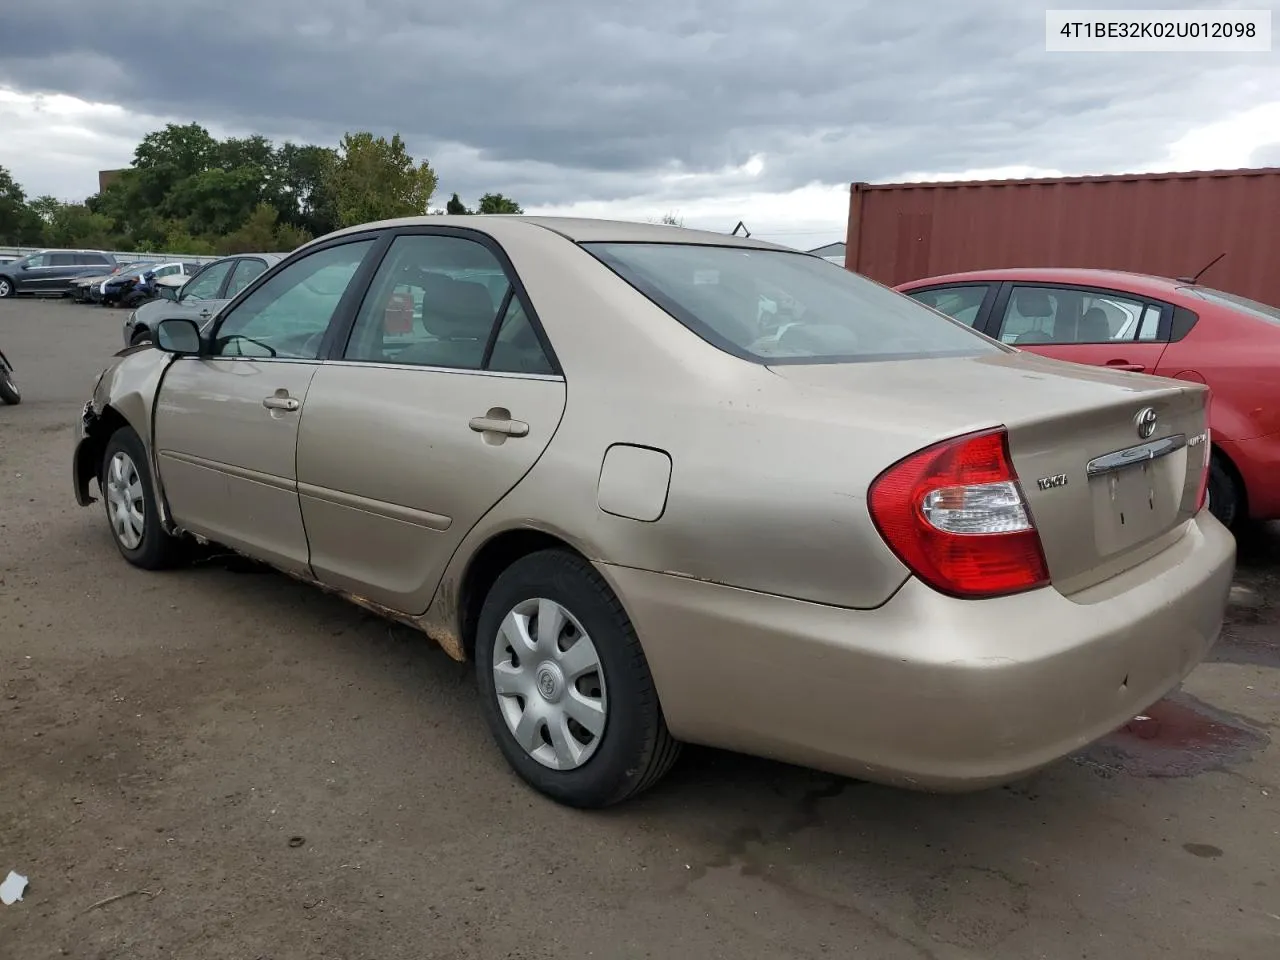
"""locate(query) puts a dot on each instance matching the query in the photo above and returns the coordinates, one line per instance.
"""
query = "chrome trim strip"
(378, 508)
(1142, 453)
(506, 374)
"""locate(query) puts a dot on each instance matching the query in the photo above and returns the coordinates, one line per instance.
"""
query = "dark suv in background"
(51, 272)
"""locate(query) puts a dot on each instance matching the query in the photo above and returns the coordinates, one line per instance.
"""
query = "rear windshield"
(1243, 304)
(771, 306)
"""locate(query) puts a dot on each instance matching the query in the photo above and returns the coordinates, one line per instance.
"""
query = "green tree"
(305, 200)
(263, 233)
(456, 206)
(497, 203)
(19, 224)
(75, 225)
(377, 179)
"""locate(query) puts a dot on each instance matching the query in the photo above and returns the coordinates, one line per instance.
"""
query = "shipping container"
(1166, 224)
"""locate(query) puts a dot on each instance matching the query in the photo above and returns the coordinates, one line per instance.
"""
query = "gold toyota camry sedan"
(666, 486)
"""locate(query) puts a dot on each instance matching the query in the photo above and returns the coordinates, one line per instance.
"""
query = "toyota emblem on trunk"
(1145, 422)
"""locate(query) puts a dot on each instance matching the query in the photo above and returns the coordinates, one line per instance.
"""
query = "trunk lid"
(1104, 495)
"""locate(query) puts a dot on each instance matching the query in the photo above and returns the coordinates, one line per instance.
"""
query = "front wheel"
(9, 391)
(6, 288)
(565, 687)
(139, 335)
(130, 500)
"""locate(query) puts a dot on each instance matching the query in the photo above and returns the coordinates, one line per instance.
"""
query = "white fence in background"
(122, 256)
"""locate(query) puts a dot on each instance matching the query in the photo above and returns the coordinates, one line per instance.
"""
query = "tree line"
(188, 192)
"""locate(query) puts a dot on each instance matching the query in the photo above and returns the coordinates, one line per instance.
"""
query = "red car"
(1170, 328)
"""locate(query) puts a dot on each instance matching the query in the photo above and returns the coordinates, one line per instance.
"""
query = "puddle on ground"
(1178, 737)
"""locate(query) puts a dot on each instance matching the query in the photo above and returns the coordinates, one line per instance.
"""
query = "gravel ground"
(221, 763)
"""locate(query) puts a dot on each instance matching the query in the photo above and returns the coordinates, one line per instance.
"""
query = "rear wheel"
(1225, 496)
(130, 500)
(564, 684)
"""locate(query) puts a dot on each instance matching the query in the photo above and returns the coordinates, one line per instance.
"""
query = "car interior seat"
(1033, 304)
(1093, 327)
(459, 314)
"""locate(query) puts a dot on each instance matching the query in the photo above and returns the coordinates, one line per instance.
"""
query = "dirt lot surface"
(255, 770)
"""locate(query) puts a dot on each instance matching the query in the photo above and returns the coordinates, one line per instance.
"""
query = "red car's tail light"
(955, 515)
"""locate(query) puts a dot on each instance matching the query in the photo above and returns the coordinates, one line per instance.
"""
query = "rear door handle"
(502, 425)
(281, 403)
(1126, 365)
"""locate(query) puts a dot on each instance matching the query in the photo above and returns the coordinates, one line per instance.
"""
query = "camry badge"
(1145, 421)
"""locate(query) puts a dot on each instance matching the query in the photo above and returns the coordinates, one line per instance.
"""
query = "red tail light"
(955, 515)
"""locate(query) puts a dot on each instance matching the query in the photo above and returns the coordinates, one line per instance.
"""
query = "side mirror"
(180, 336)
(167, 293)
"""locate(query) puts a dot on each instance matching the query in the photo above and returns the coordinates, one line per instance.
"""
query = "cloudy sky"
(715, 110)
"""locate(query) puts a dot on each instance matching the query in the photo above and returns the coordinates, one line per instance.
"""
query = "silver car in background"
(200, 297)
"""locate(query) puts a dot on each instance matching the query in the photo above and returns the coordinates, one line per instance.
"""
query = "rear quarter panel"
(1238, 358)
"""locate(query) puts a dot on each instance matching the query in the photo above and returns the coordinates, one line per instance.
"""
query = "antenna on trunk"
(1203, 271)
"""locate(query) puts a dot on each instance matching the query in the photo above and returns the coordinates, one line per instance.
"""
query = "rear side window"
(775, 307)
(62, 259)
(1069, 315)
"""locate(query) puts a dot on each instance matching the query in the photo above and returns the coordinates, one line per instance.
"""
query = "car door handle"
(502, 425)
(281, 403)
(1125, 365)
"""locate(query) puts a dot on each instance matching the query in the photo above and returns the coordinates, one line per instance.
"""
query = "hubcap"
(4, 288)
(125, 501)
(549, 684)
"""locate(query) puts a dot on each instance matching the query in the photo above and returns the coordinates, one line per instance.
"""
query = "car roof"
(576, 229)
(1140, 283)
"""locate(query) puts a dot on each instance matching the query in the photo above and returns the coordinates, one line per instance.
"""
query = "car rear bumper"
(1258, 461)
(926, 691)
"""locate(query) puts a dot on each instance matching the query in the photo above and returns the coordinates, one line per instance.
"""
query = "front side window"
(959, 303)
(773, 306)
(246, 271)
(434, 302)
(1063, 315)
(287, 316)
(36, 260)
(206, 284)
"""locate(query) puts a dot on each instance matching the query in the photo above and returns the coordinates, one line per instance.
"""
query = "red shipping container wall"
(1166, 224)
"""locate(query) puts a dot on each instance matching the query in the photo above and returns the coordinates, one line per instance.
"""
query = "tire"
(7, 288)
(139, 335)
(125, 482)
(1225, 496)
(9, 391)
(633, 748)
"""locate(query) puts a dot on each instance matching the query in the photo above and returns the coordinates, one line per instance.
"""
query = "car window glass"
(37, 260)
(1061, 315)
(774, 306)
(205, 285)
(245, 272)
(288, 315)
(168, 271)
(433, 302)
(959, 303)
(61, 260)
(517, 348)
